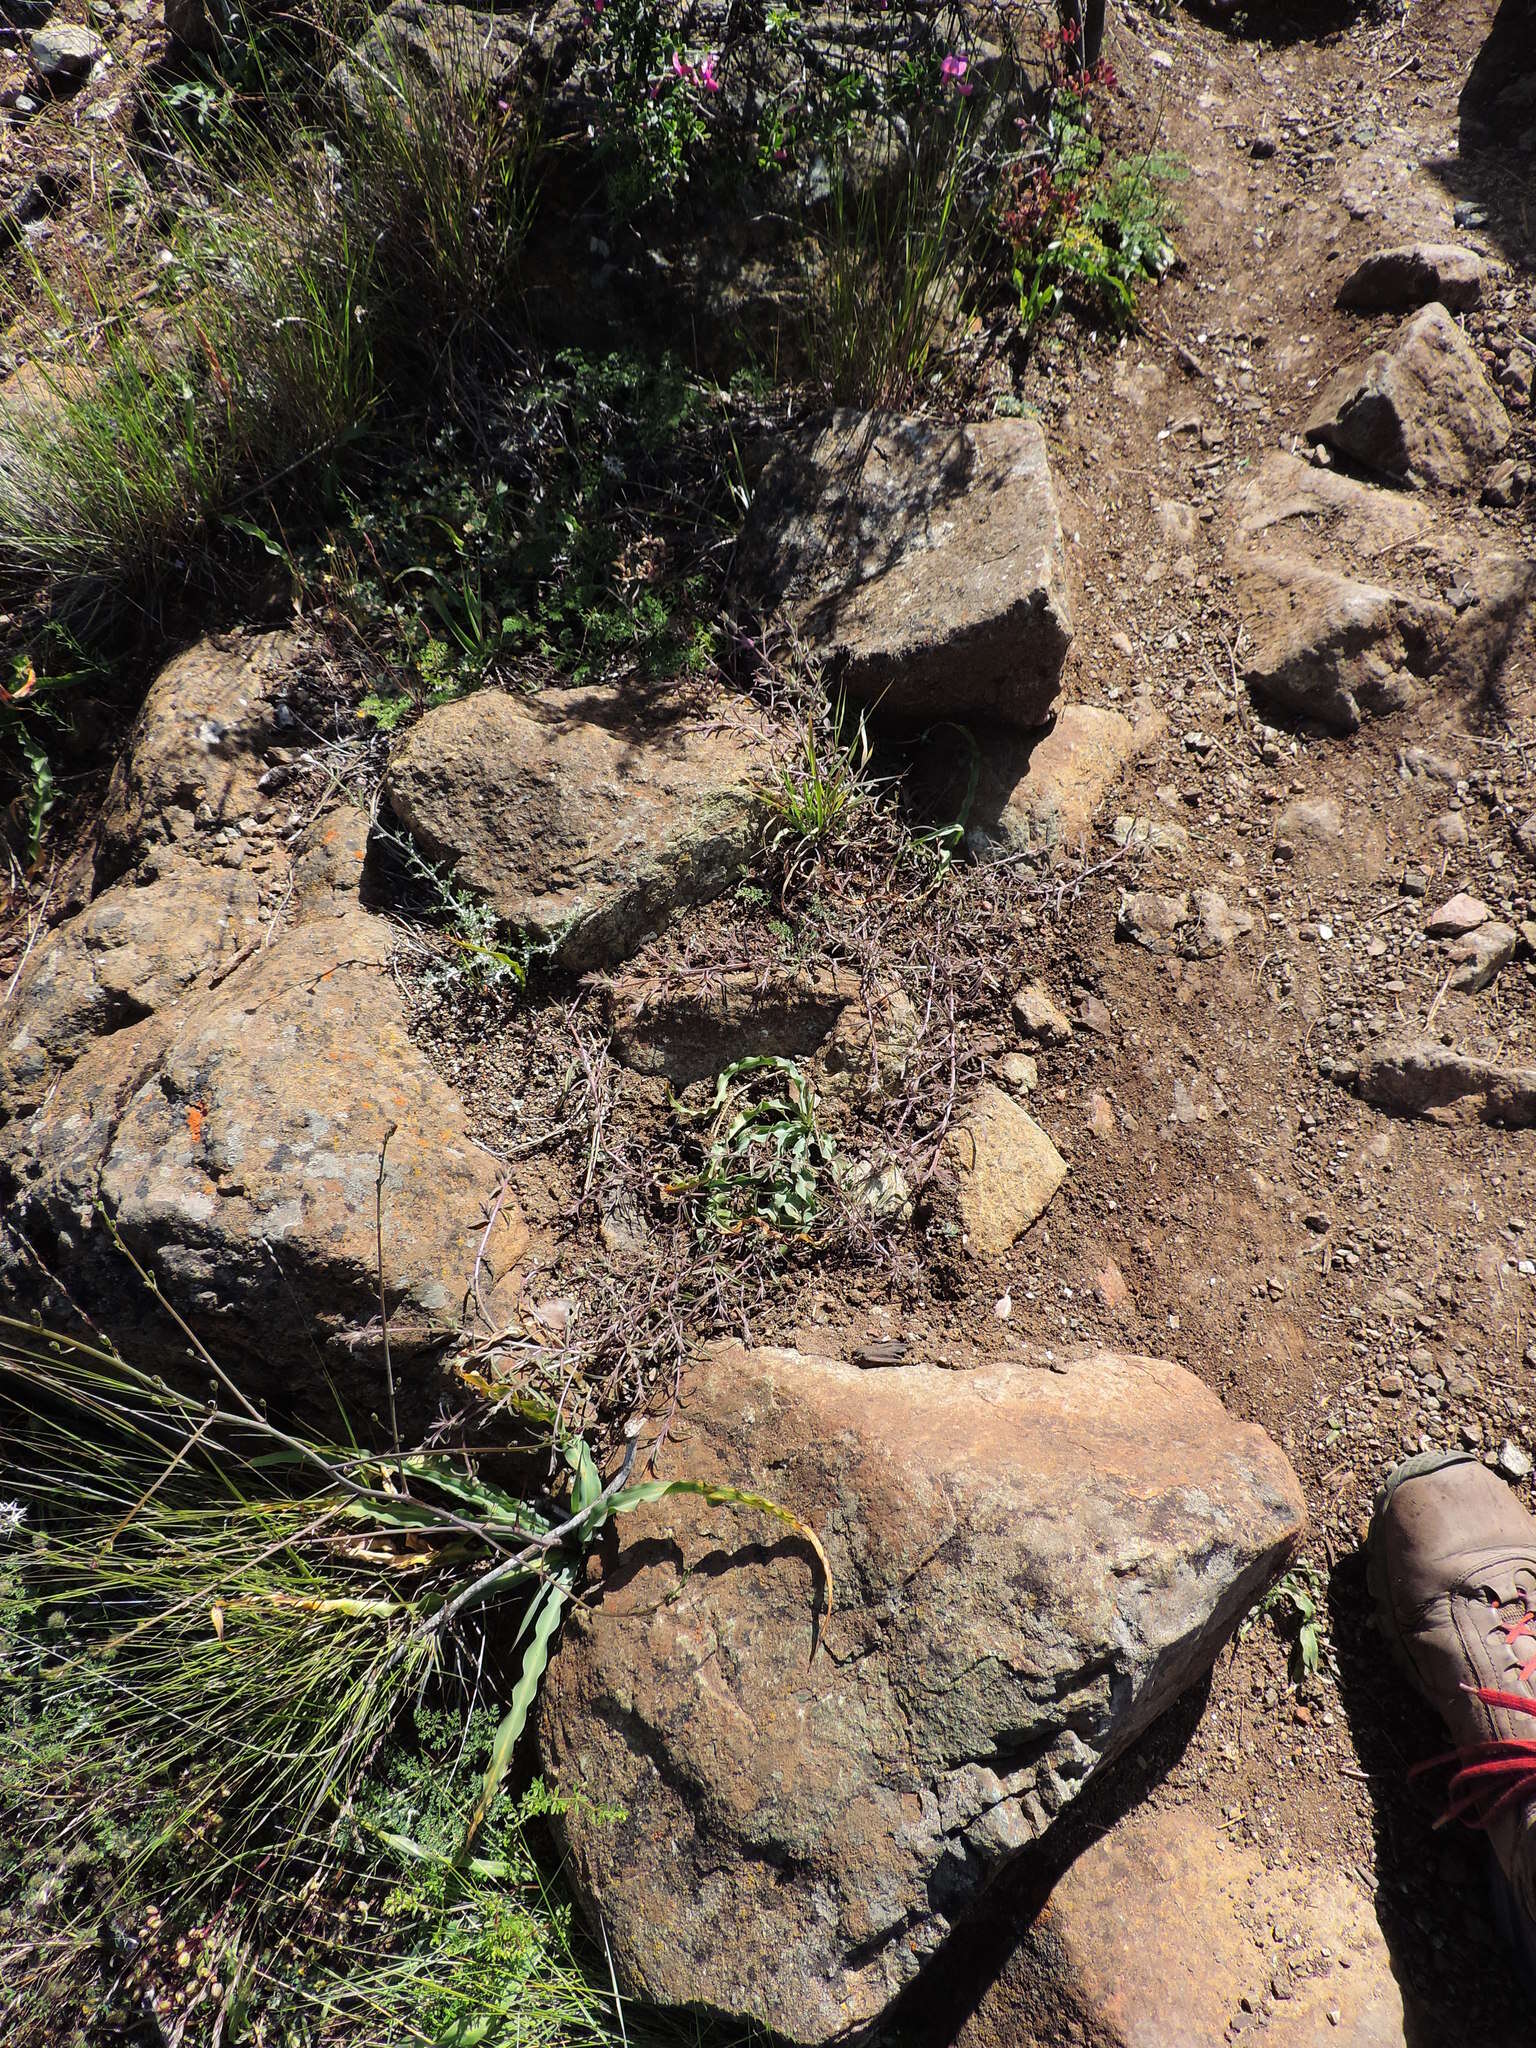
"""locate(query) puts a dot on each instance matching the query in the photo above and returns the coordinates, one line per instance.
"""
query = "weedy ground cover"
(263, 1693)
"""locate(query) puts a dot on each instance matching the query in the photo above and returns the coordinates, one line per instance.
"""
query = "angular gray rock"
(1422, 408)
(583, 826)
(1414, 274)
(63, 53)
(1029, 1564)
(925, 559)
(1336, 650)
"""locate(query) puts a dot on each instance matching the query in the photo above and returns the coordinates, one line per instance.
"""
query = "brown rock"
(1151, 918)
(1038, 795)
(1008, 1169)
(690, 1031)
(1422, 408)
(583, 828)
(1332, 649)
(134, 949)
(926, 559)
(1029, 1566)
(209, 718)
(416, 48)
(1421, 1077)
(235, 1141)
(1039, 1016)
(1162, 1933)
(1456, 917)
(1394, 280)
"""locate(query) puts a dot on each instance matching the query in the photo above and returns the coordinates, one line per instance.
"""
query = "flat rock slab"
(1030, 1563)
(1422, 408)
(1329, 648)
(925, 559)
(1422, 1077)
(691, 1030)
(1008, 1171)
(1414, 274)
(1347, 518)
(1163, 1935)
(583, 827)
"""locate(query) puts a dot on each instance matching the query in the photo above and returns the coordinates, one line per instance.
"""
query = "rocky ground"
(1218, 1055)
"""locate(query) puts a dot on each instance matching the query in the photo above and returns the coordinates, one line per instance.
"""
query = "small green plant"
(481, 963)
(767, 1162)
(1079, 225)
(812, 793)
(1295, 1605)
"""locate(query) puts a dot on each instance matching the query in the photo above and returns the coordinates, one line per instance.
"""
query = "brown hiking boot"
(1453, 1573)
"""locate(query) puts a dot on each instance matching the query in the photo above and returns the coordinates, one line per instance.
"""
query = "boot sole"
(1375, 1571)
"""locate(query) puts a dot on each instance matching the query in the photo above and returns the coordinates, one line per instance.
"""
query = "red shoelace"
(1491, 1777)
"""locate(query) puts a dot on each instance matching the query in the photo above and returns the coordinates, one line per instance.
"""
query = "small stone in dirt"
(62, 56)
(1415, 883)
(1149, 835)
(1038, 1017)
(1525, 835)
(1513, 1462)
(1262, 148)
(1317, 1221)
(1217, 925)
(1482, 954)
(1507, 484)
(1008, 1170)
(1451, 829)
(1150, 918)
(1395, 280)
(1016, 1070)
(1454, 919)
(1422, 408)
(1390, 1384)
(1093, 1013)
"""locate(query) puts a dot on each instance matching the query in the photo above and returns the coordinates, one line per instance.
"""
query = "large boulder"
(925, 559)
(1422, 1077)
(1166, 1934)
(583, 827)
(209, 1057)
(1029, 1564)
(1329, 648)
(1422, 409)
(1323, 509)
(234, 1142)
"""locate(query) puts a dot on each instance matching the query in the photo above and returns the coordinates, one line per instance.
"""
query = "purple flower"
(708, 78)
(953, 71)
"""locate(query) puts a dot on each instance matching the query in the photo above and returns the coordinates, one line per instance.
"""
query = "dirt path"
(1352, 1281)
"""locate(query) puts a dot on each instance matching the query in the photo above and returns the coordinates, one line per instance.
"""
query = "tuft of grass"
(811, 795)
(246, 1726)
(895, 253)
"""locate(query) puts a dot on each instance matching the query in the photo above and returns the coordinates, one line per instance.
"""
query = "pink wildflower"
(953, 71)
(708, 78)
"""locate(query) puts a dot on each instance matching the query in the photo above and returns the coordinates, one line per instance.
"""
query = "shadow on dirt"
(1432, 1887)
